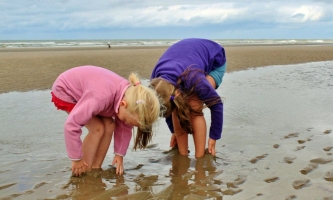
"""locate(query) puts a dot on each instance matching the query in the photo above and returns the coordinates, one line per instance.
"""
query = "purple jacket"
(95, 91)
(201, 54)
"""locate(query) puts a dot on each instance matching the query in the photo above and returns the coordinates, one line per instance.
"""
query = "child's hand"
(118, 160)
(78, 167)
(173, 141)
(211, 146)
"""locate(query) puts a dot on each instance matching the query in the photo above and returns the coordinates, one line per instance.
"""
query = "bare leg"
(199, 123)
(92, 140)
(104, 144)
(199, 135)
(199, 128)
(181, 135)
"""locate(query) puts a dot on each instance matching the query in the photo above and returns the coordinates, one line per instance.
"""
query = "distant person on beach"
(109, 46)
(186, 77)
(106, 104)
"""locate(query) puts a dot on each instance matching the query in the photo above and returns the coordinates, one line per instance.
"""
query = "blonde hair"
(144, 102)
(170, 101)
(164, 90)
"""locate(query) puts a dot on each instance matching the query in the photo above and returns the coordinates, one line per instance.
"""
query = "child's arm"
(181, 135)
(118, 160)
(173, 141)
(122, 138)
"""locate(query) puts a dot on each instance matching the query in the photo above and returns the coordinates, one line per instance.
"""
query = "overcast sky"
(168, 19)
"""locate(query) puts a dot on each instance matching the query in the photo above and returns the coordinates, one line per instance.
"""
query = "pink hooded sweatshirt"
(95, 91)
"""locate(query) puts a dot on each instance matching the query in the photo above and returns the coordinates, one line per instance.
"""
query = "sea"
(152, 42)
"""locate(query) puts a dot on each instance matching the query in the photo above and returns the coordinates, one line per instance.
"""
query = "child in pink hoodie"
(106, 104)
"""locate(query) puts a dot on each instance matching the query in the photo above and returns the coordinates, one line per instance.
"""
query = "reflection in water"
(180, 175)
(185, 182)
(92, 185)
(199, 183)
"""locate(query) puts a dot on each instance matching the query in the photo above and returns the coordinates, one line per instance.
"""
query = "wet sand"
(277, 139)
(29, 69)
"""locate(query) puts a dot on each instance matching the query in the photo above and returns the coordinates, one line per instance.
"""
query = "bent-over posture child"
(186, 77)
(106, 104)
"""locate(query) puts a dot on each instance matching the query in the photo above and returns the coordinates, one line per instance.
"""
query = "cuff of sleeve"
(119, 154)
(75, 159)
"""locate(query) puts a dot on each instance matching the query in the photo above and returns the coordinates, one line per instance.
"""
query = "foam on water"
(148, 42)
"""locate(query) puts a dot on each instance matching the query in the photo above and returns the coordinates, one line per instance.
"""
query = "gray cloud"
(324, 1)
(74, 15)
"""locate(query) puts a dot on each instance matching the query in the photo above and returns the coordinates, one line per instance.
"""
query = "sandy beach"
(27, 69)
(277, 139)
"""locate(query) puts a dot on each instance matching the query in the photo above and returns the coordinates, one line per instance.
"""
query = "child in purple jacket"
(106, 104)
(186, 77)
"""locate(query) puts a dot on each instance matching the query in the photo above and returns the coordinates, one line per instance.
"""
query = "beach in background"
(277, 140)
(23, 68)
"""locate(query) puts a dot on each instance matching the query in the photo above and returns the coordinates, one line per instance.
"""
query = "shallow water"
(276, 144)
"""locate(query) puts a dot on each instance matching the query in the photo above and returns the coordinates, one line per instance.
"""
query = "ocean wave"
(150, 42)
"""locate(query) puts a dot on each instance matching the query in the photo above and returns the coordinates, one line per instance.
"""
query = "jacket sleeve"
(169, 123)
(122, 137)
(88, 106)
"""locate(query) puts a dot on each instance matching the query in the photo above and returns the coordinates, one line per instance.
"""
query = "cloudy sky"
(169, 19)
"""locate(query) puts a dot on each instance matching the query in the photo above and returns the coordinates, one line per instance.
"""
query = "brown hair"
(177, 97)
(144, 102)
